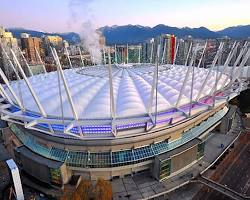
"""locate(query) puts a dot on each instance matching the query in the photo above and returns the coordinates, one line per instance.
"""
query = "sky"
(69, 15)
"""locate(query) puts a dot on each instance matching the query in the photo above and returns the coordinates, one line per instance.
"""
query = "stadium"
(117, 119)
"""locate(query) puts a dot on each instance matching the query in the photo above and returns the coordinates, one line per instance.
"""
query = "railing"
(114, 158)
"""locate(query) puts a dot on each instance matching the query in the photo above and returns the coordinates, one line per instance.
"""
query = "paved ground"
(236, 176)
(142, 186)
(4, 176)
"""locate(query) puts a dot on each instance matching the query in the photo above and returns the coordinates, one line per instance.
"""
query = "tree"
(84, 190)
(103, 190)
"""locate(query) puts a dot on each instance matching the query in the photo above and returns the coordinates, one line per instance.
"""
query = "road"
(236, 177)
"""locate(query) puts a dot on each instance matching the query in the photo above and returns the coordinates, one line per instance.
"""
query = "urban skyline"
(215, 15)
(124, 112)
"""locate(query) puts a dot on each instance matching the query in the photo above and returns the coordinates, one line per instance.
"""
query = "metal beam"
(164, 52)
(38, 103)
(10, 89)
(243, 62)
(40, 59)
(127, 53)
(115, 55)
(242, 52)
(26, 63)
(139, 58)
(186, 77)
(154, 90)
(202, 55)
(10, 62)
(67, 54)
(111, 94)
(104, 57)
(5, 94)
(210, 70)
(228, 60)
(151, 54)
(189, 51)
(80, 53)
(176, 51)
(65, 84)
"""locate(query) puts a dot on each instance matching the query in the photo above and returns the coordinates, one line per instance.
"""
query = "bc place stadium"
(114, 120)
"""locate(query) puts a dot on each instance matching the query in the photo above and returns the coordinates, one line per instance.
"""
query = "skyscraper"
(7, 41)
(30, 45)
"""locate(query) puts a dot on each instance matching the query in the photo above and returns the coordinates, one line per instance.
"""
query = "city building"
(32, 48)
(52, 41)
(183, 48)
(90, 134)
(113, 121)
(7, 41)
(167, 44)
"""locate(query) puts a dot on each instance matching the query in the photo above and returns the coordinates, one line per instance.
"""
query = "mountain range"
(134, 34)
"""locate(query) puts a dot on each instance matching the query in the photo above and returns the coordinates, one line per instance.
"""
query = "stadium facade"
(115, 120)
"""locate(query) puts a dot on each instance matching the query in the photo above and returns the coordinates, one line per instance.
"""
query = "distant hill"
(70, 37)
(134, 34)
(138, 34)
(237, 32)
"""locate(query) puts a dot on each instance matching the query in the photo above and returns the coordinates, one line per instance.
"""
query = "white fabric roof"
(89, 88)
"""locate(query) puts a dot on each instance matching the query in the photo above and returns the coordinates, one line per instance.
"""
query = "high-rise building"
(31, 46)
(7, 41)
(54, 41)
(184, 46)
(167, 44)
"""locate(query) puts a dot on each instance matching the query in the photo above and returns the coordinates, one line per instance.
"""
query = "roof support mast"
(65, 84)
(112, 101)
(189, 51)
(202, 55)
(210, 70)
(164, 52)
(139, 56)
(153, 90)
(26, 63)
(116, 55)
(71, 125)
(38, 103)
(80, 53)
(67, 54)
(11, 64)
(187, 74)
(10, 89)
(127, 53)
(152, 50)
(104, 56)
(40, 59)
(176, 51)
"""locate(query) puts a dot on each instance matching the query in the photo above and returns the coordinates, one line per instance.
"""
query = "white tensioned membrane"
(89, 88)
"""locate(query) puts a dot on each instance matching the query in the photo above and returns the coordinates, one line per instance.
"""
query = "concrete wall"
(183, 159)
